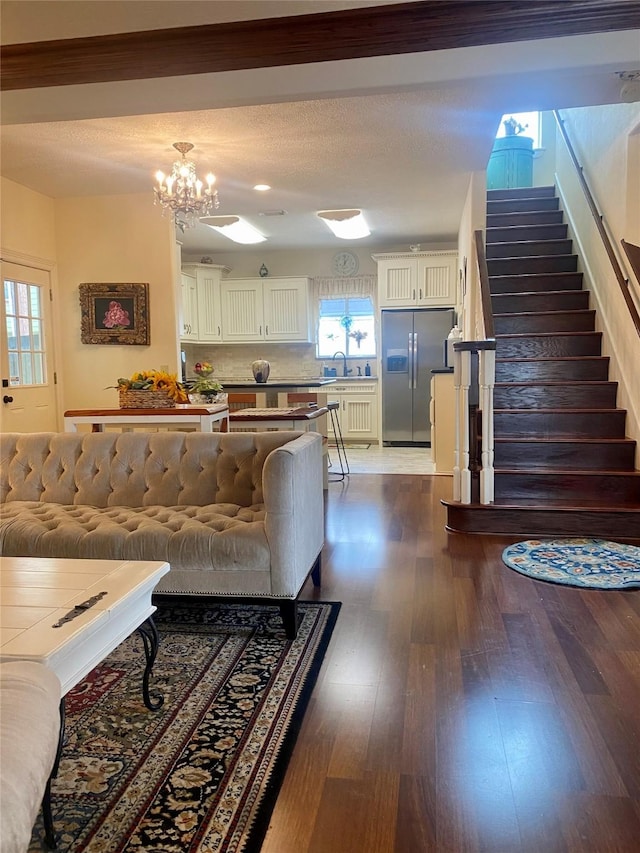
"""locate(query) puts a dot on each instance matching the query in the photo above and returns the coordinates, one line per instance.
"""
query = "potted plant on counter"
(204, 389)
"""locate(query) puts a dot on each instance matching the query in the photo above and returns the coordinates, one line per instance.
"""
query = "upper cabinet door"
(200, 302)
(188, 308)
(209, 306)
(286, 309)
(260, 309)
(242, 310)
(437, 280)
(397, 282)
(417, 280)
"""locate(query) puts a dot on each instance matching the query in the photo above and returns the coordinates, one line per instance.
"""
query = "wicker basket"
(130, 399)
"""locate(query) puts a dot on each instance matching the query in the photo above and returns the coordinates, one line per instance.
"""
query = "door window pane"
(25, 333)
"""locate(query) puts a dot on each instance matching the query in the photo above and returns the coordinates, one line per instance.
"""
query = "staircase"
(563, 465)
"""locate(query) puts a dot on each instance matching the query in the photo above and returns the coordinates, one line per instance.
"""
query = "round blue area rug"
(593, 563)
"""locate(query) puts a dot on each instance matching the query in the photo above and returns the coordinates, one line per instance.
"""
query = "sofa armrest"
(294, 511)
(29, 735)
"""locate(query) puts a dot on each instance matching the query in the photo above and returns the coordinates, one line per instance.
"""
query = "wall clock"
(345, 263)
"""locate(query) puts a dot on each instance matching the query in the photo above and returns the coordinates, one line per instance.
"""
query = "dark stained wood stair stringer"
(563, 462)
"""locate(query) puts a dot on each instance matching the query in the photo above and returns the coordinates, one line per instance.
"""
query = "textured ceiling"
(409, 178)
(403, 153)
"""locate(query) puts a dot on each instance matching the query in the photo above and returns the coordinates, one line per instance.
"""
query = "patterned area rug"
(577, 562)
(203, 772)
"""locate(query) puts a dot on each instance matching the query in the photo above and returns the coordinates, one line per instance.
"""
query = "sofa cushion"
(136, 469)
(223, 537)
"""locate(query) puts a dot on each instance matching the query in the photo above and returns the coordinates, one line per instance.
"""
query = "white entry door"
(28, 376)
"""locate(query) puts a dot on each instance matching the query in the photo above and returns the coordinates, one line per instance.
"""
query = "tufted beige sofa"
(236, 514)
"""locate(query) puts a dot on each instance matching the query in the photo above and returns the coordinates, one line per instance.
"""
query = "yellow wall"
(28, 223)
(97, 239)
(113, 239)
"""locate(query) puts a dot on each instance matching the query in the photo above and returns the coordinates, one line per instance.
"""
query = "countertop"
(295, 382)
(278, 383)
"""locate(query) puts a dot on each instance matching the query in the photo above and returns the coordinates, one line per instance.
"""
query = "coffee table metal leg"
(151, 640)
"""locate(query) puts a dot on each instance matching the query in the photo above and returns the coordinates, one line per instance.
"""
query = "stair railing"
(474, 370)
(599, 221)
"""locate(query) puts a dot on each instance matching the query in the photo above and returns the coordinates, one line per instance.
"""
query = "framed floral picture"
(113, 313)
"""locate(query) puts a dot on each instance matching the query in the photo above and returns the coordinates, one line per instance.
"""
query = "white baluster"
(465, 472)
(486, 380)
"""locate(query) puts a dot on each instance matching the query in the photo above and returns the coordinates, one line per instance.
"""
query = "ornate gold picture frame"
(114, 313)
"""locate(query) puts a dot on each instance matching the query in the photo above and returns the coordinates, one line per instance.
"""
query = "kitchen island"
(356, 396)
(269, 391)
(295, 384)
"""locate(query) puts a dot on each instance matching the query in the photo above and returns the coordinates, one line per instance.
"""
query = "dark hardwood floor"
(461, 706)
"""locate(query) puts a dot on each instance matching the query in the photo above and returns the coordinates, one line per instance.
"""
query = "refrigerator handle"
(415, 360)
(410, 351)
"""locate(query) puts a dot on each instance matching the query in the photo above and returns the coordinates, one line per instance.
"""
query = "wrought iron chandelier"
(183, 193)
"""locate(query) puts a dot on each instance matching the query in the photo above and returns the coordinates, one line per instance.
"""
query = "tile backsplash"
(286, 360)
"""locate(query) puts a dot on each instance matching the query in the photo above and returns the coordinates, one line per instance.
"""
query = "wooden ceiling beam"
(363, 32)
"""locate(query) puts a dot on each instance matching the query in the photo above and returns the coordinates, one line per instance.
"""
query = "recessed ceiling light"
(346, 224)
(235, 228)
(262, 188)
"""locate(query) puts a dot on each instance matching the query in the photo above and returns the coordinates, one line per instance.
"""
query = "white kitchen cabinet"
(201, 302)
(417, 280)
(188, 308)
(261, 309)
(357, 409)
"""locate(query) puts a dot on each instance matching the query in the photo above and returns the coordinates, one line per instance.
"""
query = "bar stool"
(286, 398)
(333, 406)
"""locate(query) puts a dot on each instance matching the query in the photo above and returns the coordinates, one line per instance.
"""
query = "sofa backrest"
(136, 468)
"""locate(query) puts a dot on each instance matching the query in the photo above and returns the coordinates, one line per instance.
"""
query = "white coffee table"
(70, 614)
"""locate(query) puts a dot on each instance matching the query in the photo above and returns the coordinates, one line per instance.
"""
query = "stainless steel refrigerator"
(412, 346)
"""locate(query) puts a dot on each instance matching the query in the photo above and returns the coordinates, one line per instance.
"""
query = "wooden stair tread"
(557, 410)
(550, 294)
(561, 439)
(552, 358)
(546, 334)
(556, 382)
(545, 190)
(528, 242)
(573, 472)
(571, 311)
(556, 503)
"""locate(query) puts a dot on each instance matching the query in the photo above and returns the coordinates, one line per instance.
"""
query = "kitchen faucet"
(345, 372)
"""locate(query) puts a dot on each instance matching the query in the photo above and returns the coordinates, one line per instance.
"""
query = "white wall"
(600, 136)
(544, 159)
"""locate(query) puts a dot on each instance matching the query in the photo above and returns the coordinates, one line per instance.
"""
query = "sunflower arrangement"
(155, 380)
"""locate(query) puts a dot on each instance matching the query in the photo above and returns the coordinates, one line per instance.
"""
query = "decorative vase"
(260, 369)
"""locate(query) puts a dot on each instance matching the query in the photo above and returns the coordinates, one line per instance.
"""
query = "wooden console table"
(203, 417)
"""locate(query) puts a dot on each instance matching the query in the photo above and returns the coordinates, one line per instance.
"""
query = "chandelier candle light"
(183, 193)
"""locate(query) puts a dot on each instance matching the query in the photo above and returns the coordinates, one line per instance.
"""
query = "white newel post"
(463, 427)
(457, 370)
(486, 381)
